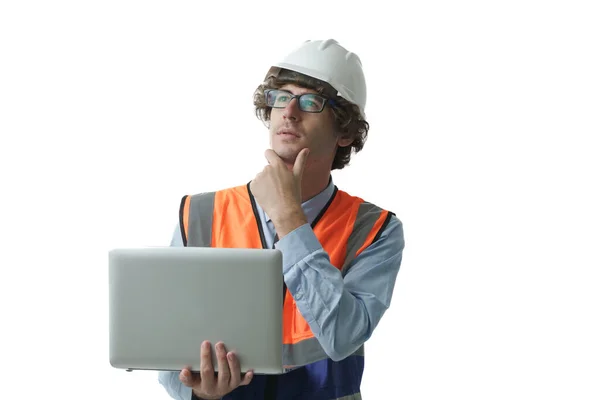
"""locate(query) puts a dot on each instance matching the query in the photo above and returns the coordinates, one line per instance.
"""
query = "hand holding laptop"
(207, 384)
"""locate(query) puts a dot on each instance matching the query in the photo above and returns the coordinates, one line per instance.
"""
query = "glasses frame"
(328, 101)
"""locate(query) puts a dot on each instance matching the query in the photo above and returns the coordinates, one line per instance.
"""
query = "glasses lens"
(310, 102)
(278, 98)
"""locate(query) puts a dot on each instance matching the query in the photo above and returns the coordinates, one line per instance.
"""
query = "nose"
(291, 111)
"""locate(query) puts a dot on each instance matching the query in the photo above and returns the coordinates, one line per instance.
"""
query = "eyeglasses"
(307, 102)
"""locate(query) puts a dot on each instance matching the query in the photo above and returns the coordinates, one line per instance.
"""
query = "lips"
(288, 132)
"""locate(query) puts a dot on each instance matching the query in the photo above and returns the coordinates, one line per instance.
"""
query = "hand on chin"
(278, 190)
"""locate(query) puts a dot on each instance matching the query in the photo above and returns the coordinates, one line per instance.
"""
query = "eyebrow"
(298, 94)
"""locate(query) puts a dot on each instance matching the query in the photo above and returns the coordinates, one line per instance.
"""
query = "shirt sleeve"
(342, 312)
(170, 379)
(174, 387)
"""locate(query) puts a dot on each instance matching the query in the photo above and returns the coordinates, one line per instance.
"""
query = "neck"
(315, 176)
(313, 183)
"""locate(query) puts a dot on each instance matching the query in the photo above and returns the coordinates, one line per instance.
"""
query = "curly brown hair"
(347, 117)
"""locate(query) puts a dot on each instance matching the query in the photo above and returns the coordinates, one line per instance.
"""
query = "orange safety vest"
(229, 218)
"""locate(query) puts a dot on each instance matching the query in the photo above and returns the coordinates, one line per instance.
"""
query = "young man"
(341, 254)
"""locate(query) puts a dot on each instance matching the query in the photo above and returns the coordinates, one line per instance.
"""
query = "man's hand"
(279, 191)
(208, 386)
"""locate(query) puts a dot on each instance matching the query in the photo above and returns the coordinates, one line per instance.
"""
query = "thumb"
(300, 163)
(187, 378)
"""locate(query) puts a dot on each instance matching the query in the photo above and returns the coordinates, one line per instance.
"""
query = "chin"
(286, 154)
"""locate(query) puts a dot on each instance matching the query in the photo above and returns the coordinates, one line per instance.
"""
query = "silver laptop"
(164, 301)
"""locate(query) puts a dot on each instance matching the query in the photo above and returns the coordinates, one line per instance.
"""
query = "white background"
(484, 141)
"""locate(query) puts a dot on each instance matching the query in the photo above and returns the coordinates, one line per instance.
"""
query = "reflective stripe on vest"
(229, 218)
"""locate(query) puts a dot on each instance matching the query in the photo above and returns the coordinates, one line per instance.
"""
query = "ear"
(344, 141)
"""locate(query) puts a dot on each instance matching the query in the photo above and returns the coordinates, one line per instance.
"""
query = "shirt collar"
(313, 206)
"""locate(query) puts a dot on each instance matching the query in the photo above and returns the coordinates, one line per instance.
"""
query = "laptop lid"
(165, 301)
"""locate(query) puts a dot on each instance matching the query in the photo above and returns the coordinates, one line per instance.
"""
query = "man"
(341, 254)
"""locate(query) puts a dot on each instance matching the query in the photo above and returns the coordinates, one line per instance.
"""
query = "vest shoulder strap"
(369, 223)
(193, 210)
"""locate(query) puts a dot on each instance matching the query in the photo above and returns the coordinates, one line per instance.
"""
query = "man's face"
(291, 130)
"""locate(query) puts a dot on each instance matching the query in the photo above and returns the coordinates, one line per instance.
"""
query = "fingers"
(236, 375)
(188, 378)
(300, 163)
(229, 376)
(223, 366)
(247, 378)
(272, 157)
(207, 371)
(234, 367)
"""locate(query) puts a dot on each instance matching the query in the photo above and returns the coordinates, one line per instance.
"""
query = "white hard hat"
(329, 62)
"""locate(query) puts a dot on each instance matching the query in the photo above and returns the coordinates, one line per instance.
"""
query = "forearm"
(341, 312)
(337, 319)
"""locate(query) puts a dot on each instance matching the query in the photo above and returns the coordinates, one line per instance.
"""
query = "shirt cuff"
(297, 245)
